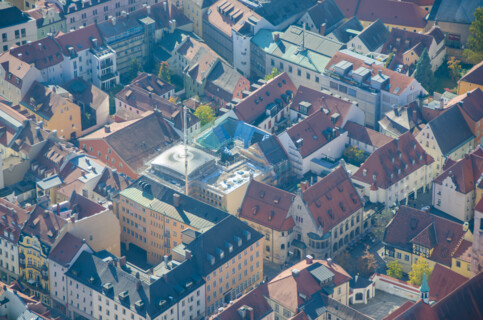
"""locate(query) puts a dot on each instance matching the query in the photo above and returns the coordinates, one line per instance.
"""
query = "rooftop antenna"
(185, 142)
(303, 38)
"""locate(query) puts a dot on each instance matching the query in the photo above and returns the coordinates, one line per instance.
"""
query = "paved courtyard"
(381, 305)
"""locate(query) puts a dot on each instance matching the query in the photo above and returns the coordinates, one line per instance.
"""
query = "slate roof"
(380, 171)
(411, 225)
(277, 12)
(332, 199)
(462, 303)
(272, 150)
(319, 100)
(267, 206)
(374, 36)
(474, 75)
(455, 11)
(450, 130)
(326, 12)
(470, 104)
(366, 135)
(253, 107)
(465, 172)
(315, 131)
(345, 32)
(222, 81)
(12, 16)
(137, 140)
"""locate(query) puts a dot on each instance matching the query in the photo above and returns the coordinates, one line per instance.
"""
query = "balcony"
(107, 63)
(109, 76)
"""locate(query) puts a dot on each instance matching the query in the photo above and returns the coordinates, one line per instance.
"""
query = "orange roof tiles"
(268, 206)
(234, 8)
(332, 199)
(366, 135)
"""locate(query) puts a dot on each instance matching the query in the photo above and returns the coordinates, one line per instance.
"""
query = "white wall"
(395, 287)
(454, 203)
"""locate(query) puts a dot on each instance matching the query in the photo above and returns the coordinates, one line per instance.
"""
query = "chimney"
(176, 200)
(165, 5)
(122, 261)
(309, 259)
(356, 277)
(276, 37)
(329, 261)
(107, 129)
(148, 10)
(304, 186)
(187, 254)
(165, 259)
(58, 209)
(322, 28)
(295, 272)
(138, 285)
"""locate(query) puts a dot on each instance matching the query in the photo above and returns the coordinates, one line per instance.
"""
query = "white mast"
(185, 142)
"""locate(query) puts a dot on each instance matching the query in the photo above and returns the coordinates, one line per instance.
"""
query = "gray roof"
(326, 12)
(224, 77)
(12, 16)
(272, 149)
(348, 30)
(374, 35)
(450, 130)
(277, 12)
(456, 11)
(321, 272)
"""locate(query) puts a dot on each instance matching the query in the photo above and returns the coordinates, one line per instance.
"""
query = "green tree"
(394, 269)
(164, 72)
(275, 72)
(417, 271)
(423, 72)
(474, 45)
(367, 263)
(454, 66)
(205, 114)
(380, 221)
(354, 155)
(134, 68)
(346, 261)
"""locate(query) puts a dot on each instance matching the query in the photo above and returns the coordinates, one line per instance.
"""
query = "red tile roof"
(462, 303)
(13, 218)
(366, 135)
(319, 100)
(396, 79)
(465, 172)
(332, 199)
(392, 162)
(399, 13)
(66, 249)
(254, 106)
(44, 224)
(316, 131)
(479, 206)
(42, 53)
(268, 206)
(464, 251)
(474, 75)
(443, 281)
(470, 104)
(407, 225)
(80, 39)
(223, 22)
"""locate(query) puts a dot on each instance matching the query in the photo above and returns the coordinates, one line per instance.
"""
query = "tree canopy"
(164, 72)
(205, 114)
(474, 45)
(454, 66)
(417, 271)
(367, 263)
(394, 269)
(423, 72)
(275, 72)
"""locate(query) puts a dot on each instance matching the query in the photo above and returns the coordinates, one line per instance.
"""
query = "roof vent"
(295, 272)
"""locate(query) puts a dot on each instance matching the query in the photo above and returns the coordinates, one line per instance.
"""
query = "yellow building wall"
(35, 258)
(464, 87)
(195, 14)
(464, 267)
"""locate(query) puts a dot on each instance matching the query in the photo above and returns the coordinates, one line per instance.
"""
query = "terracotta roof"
(66, 249)
(408, 226)
(231, 8)
(313, 132)
(318, 100)
(13, 218)
(464, 251)
(392, 162)
(475, 75)
(16, 68)
(142, 100)
(86, 92)
(400, 41)
(398, 82)
(190, 48)
(138, 140)
(268, 206)
(223, 80)
(79, 39)
(202, 64)
(42, 53)
(111, 182)
(332, 199)
(465, 172)
(470, 104)
(44, 224)
(392, 12)
(479, 206)
(84, 207)
(366, 135)
(348, 7)
(254, 106)
(462, 303)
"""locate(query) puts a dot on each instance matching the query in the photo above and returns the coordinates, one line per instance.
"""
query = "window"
(399, 255)
(458, 264)
(299, 72)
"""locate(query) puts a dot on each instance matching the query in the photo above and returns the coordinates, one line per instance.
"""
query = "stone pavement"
(381, 305)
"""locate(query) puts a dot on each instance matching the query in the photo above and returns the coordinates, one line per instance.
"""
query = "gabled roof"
(465, 173)
(268, 206)
(66, 249)
(12, 221)
(475, 75)
(332, 199)
(470, 104)
(366, 135)
(443, 281)
(319, 100)
(86, 92)
(374, 35)
(450, 130)
(278, 12)
(400, 40)
(454, 11)
(392, 162)
(348, 30)
(312, 133)
(44, 225)
(410, 226)
(42, 53)
(326, 12)
(12, 16)
(254, 106)
(222, 81)
(272, 150)
(79, 39)
(222, 19)
(137, 140)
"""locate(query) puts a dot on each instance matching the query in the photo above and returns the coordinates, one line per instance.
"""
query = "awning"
(298, 244)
